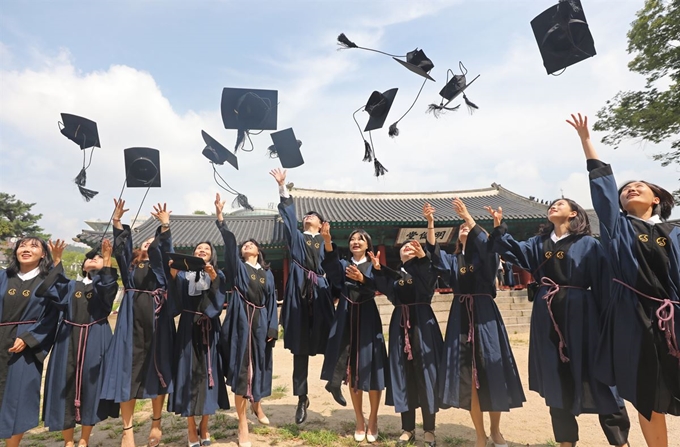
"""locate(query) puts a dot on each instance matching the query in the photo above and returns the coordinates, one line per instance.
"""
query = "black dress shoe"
(301, 412)
(337, 394)
(411, 439)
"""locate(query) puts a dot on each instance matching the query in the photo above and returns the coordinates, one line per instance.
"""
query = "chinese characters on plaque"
(443, 235)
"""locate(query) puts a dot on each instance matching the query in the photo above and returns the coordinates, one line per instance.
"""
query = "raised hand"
(56, 250)
(580, 123)
(353, 273)
(210, 270)
(118, 212)
(279, 175)
(107, 250)
(428, 212)
(375, 259)
(326, 232)
(161, 213)
(219, 206)
(496, 214)
(417, 249)
(460, 209)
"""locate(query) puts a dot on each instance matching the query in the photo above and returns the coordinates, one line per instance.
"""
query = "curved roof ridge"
(388, 195)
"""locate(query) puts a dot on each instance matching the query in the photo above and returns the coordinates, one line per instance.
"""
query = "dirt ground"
(328, 424)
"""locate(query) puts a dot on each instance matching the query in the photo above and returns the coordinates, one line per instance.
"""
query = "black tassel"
(379, 168)
(240, 139)
(368, 152)
(87, 194)
(81, 178)
(272, 152)
(345, 42)
(393, 131)
(242, 201)
(438, 110)
(471, 105)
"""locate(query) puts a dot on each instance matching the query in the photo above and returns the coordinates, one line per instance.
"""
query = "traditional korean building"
(391, 218)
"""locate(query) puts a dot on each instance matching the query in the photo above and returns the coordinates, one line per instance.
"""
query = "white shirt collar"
(360, 261)
(655, 219)
(310, 233)
(29, 275)
(87, 280)
(256, 266)
(555, 238)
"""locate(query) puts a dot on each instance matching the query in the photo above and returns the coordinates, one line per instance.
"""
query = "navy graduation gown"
(634, 352)
(580, 266)
(83, 305)
(414, 328)
(494, 370)
(251, 320)
(21, 373)
(307, 310)
(138, 364)
(198, 379)
(357, 327)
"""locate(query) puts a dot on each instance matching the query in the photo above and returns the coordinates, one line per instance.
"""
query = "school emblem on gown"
(560, 254)
(309, 242)
(317, 245)
(548, 254)
(463, 270)
(252, 276)
(471, 268)
(12, 292)
(26, 293)
(643, 237)
(401, 282)
(79, 294)
(661, 241)
(261, 280)
(89, 295)
(409, 281)
(141, 265)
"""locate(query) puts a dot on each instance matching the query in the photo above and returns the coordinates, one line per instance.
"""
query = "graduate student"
(307, 311)
(73, 382)
(639, 349)
(356, 351)
(477, 371)
(415, 340)
(250, 327)
(140, 355)
(199, 386)
(572, 283)
(27, 327)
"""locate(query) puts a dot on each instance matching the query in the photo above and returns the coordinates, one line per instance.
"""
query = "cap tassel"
(368, 152)
(272, 152)
(471, 105)
(242, 201)
(345, 42)
(87, 194)
(81, 178)
(379, 168)
(393, 130)
(240, 139)
(438, 110)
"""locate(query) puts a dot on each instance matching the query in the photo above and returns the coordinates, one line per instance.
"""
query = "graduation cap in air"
(186, 262)
(217, 153)
(378, 107)
(563, 35)
(142, 167)
(83, 132)
(287, 148)
(248, 109)
(455, 85)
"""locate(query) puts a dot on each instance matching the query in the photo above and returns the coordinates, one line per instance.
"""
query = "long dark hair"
(213, 253)
(260, 254)
(666, 202)
(579, 224)
(364, 236)
(45, 263)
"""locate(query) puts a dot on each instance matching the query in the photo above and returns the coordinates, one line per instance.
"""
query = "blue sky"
(150, 73)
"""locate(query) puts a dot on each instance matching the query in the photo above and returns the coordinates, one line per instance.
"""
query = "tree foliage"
(16, 219)
(651, 114)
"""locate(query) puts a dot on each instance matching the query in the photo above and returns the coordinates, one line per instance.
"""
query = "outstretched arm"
(232, 258)
(580, 123)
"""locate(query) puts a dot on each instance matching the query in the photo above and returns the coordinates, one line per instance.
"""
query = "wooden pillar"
(383, 255)
(286, 269)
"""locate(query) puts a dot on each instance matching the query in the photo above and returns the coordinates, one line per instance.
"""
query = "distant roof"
(346, 208)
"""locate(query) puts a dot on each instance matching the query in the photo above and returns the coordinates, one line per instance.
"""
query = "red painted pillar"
(383, 255)
(286, 268)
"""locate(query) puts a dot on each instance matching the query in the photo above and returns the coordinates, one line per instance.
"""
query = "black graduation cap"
(217, 153)
(418, 63)
(248, 109)
(287, 148)
(83, 132)
(142, 167)
(563, 35)
(186, 262)
(456, 85)
(378, 106)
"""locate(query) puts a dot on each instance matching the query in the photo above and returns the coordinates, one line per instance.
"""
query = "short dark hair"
(314, 213)
(365, 236)
(45, 263)
(666, 203)
(261, 259)
(579, 224)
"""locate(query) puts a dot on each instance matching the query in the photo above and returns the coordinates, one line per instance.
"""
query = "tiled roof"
(189, 231)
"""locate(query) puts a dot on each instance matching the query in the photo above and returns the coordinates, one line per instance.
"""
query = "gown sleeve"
(335, 270)
(517, 252)
(273, 323)
(234, 268)
(123, 251)
(106, 285)
(604, 195)
(293, 236)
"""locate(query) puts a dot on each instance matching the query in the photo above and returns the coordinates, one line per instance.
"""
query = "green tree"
(16, 219)
(651, 114)
(200, 213)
